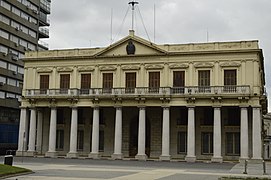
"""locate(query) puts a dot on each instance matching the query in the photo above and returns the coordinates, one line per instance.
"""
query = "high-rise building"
(22, 24)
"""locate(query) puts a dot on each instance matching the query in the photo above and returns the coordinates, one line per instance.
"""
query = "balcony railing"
(141, 91)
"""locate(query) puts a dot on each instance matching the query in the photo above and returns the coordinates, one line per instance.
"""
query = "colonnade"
(34, 136)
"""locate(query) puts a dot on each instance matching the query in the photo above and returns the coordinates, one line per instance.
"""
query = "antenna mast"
(133, 3)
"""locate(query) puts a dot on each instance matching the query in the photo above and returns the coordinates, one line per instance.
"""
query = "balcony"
(194, 91)
(43, 32)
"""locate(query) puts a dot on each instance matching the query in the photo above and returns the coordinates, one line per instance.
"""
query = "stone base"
(94, 155)
(51, 154)
(164, 158)
(190, 158)
(72, 155)
(217, 159)
(21, 153)
(31, 153)
(117, 156)
(256, 161)
(243, 159)
(141, 157)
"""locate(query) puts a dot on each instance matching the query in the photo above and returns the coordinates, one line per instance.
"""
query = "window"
(208, 116)
(24, 29)
(130, 82)
(80, 140)
(15, 24)
(85, 83)
(2, 79)
(204, 80)
(32, 33)
(5, 5)
(107, 82)
(59, 139)
(44, 83)
(2, 95)
(101, 140)
(182, 142)
(230, 80)
(64, 83)
(60, 116)
(4, 19)
(4, 34)
(12, 67)
(31, 46)
(178, 81)
(3, 64)
(23, 43)
(233, 116)
(233, 143)
(3, 49)
(12, 82)
(182, 118)
(16, 11)
(14, 39)
(207, 142)
(20, 70)
(154, 82)
(11, 95)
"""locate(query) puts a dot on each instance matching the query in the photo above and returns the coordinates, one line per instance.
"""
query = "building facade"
(267, 135)
(22, 24)
(136, 99)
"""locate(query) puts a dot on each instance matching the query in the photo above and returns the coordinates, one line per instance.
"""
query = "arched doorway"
(133, 140)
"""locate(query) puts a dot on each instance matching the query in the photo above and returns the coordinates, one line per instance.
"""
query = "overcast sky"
(85, 23)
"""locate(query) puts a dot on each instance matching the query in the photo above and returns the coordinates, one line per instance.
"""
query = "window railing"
(142, 91)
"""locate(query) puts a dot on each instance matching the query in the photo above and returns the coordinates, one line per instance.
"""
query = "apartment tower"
(22, 24)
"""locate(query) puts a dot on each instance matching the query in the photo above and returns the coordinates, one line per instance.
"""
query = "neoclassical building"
(137, 99)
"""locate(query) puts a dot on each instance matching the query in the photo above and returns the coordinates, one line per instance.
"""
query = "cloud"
(85, 23)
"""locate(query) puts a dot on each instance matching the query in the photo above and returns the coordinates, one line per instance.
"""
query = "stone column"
(95, 135)
(32, 133)
(52, 134)
(118, 135)
(244, 134)
(73, 134)
(22, 132)
(165, 135)
(39, 132)
(191, 155)
(217, 136)
(141, 134)
(256, 134)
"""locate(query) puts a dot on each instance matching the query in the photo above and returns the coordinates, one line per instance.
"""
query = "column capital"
(22, 107)
(141, 107)
(191, 107)
(256, 107)
(96, 107)
(118, 107)
(165, 106)
(217, 106)
(73, 107)
(244, 106)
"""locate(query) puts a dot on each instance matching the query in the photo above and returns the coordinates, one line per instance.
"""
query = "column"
(95, 134)
(191, 155)
(118, 135)
(141, 134)
(52, 134)
(73, 134)
(165, 135)
(244, 134)
(39, 132)
(256, 134)
(32, 133)
(217, 136)
(22, 132)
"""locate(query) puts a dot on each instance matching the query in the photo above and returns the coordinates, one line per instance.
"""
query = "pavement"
(127, 169)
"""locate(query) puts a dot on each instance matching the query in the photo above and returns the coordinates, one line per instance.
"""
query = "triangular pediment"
(137, 46)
